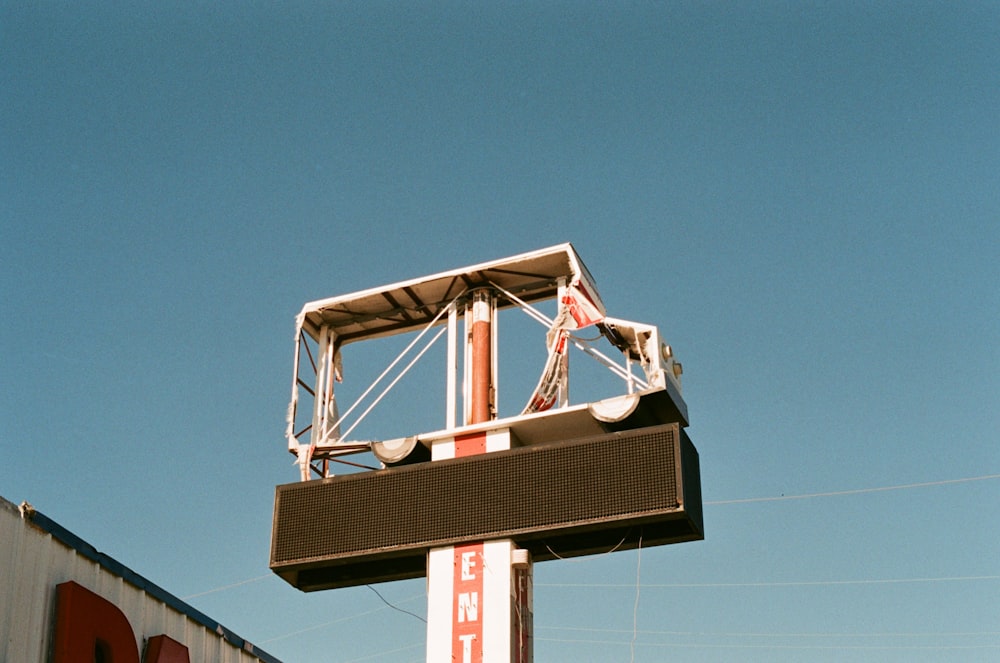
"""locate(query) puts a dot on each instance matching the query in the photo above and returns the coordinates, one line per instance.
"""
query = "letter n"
(468, 607)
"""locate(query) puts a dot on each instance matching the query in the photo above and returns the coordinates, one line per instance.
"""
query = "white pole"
(478, 601)
(451, 369)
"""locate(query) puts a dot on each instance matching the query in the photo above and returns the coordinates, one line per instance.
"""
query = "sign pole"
(478, 594)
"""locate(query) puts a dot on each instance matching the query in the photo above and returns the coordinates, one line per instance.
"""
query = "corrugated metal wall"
(33, 562)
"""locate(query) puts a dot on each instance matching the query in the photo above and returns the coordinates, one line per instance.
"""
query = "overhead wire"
(802, 583)
(831, 647)
(749, 500)
(606, 552)
(635, 606)
(385, 653)
(225, 587)
(794, 583)
(855, 491)
(316, 627)
(394, 607)
(731, 634)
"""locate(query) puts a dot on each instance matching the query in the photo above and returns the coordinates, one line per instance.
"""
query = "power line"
(406, 612)
(385, 653)
(751, 500)
(677, 645)
(940, 634)
(635, 608)
(224, 587)
(856, 491)
(316, 627)
(634, 632)
(794, 583)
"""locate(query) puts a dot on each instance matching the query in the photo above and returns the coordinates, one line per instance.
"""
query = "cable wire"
(225, 587)
(635, 607)
(799, 583)
(856, 491)
(748, 500)
(386, 652)
(702, 645)
(412, 614)
(732, 634)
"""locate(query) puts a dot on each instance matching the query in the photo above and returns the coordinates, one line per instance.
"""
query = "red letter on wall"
(162, 649)
(91, 628)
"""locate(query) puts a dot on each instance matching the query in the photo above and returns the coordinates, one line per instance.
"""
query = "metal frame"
(325, 327)
(461, 568)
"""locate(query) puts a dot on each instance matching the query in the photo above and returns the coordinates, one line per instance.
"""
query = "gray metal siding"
(37, 554)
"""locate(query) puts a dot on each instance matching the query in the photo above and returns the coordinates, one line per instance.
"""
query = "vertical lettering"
(467, 626)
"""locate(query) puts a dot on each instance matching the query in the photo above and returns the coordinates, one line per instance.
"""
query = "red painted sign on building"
(91, 628)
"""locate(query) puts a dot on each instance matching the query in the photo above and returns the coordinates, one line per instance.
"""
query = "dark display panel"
(563, 499)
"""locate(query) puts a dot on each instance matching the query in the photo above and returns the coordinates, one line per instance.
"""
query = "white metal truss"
(326, 326)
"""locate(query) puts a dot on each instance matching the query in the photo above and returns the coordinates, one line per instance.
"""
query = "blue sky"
(802, 196)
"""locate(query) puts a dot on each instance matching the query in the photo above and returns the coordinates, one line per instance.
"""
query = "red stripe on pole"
(470, 445)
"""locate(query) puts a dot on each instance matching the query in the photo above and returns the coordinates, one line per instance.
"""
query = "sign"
(467, 624)
(91, 628)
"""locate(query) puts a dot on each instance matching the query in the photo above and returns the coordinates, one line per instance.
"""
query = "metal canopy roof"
(413, 304)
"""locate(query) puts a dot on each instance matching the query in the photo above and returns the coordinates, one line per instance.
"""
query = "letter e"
(468, 562)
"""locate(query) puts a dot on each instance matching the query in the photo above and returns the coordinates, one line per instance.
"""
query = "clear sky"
(804, 197)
